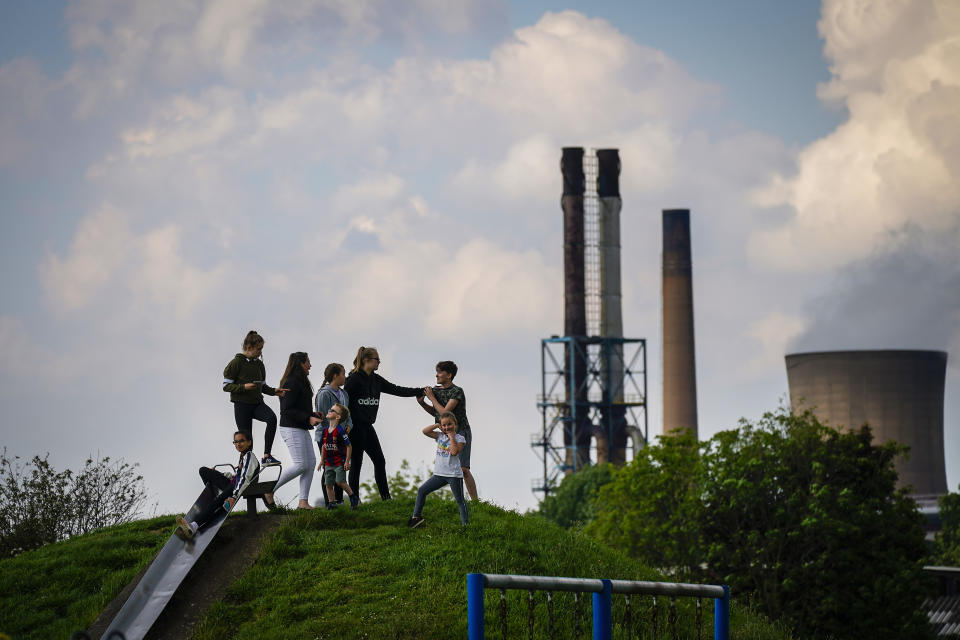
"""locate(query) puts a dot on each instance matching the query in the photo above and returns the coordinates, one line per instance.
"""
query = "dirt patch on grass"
(231, 553)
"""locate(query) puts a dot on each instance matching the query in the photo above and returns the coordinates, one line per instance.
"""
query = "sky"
(386, 173)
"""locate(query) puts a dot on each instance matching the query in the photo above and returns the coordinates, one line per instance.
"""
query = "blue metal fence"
(602, 591)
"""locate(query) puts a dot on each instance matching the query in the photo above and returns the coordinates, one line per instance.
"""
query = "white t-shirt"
(447, 465)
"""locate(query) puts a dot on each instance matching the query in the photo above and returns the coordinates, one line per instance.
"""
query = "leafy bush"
(40, 505)
(804, 519)
(572, 504)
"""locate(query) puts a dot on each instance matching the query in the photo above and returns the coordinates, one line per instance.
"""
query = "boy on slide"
(230, 489)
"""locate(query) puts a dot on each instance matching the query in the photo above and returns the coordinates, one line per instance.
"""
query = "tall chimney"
(679, 366)
(574, 303)
(611, 314)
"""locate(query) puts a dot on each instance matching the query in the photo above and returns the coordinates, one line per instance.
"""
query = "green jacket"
(242, 370)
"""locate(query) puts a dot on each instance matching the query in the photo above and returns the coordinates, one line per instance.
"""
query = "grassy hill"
(347, 574)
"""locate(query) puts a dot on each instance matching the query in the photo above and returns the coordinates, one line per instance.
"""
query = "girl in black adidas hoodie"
(364, 386)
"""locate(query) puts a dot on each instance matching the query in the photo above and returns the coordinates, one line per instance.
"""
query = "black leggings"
(245, 414)
(212, 510)
(363, 437)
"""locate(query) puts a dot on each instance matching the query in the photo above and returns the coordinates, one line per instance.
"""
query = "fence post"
(602, 615)
(721, 616)
(475, 586)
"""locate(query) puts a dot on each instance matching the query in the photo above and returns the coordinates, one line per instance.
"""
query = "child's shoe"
(415, 521)
(331, 505)
(185, 530)
(354, 501)
(269, 461)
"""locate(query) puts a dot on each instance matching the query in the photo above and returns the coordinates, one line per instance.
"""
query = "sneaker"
(269, 461)
(415, 521)
(354, 501)
(185, 530)
(332, 505)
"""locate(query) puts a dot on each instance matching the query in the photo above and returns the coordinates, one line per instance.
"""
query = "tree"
(946, 546)
(809, 522)
(573, 503)
(804, 520)
(40, 505)
(402, 484)
(651, 508)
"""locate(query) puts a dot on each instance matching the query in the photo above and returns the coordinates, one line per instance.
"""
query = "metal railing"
(602, 591)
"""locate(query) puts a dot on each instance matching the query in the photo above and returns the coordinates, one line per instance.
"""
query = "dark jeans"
(436, 482)
(212, 510)
(364, 438)
(245, 414)
(337, 489)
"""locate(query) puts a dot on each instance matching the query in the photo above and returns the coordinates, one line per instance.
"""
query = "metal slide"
(165, 574)
(171, 566)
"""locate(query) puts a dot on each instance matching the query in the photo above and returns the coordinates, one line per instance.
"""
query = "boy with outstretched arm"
(446, 467)
(335, 451)
(230, 489)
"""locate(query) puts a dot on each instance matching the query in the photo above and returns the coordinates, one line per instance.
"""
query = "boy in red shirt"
(335, 451)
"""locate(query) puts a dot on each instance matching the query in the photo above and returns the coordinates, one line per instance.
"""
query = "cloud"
(99, 248)
(896, 67)
(106, 254)
(905, 295)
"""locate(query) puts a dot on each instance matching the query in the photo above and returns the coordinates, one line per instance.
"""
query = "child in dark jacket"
(230, 488)
(244, 378)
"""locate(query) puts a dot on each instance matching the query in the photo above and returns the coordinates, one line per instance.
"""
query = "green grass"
(60, 588)
(350, 574)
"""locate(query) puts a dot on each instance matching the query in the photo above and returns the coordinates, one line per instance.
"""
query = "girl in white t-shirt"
(446, 468)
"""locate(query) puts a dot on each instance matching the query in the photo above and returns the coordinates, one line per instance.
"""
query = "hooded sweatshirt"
(242, 370)
(364, 390)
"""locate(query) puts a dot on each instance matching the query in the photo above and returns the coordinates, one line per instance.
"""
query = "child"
(446, 469)
(447, 396)
(230, 490)
(335, 450)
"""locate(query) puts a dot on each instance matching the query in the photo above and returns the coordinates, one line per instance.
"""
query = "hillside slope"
(346, 574)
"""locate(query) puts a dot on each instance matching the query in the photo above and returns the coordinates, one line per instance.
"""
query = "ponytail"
(332, 370)
(363, 353)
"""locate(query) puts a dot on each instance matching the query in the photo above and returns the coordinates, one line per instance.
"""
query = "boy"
(335, 451)
(230, 489)
(447, 396)
(446, 468)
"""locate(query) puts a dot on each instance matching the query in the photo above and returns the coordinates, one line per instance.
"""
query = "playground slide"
(163, 577)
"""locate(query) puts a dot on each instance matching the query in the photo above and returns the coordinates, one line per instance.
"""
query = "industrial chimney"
(575, 436)
(611, 313)
(679, 367)
(898, 393)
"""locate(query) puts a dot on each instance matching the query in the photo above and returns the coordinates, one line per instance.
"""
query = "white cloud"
(895, 161)
(99, 248)
(106, 254)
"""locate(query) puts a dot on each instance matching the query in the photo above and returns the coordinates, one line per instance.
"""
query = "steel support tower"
(603, 389)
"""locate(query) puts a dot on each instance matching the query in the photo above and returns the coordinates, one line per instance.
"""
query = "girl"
(244, 378)
(446, 468)
(230, 490)
(364, 386)
(296, 420)
(331, 393)
(447, 396)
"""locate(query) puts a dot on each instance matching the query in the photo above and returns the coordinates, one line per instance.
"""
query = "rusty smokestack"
(574, 302)
(679, 365)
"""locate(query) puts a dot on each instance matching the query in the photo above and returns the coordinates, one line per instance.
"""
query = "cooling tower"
(679, 367)
(898, 393)
(611, 313)
(574, 300)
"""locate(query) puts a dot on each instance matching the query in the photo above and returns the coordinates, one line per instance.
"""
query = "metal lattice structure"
(600, 392)
(591, 244)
